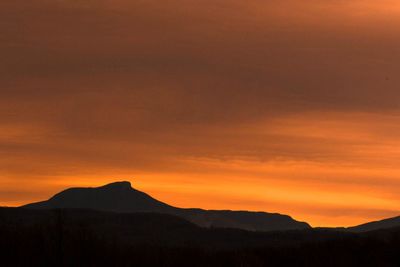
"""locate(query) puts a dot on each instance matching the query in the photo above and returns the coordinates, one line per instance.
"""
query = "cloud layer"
(271, 105)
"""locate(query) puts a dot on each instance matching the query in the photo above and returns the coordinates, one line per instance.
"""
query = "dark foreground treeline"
(90, 238)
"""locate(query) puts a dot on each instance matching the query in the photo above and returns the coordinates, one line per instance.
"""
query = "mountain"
(118, 197)
(121, 197)
(371, 226)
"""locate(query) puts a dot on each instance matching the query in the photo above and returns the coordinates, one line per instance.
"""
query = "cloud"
(104, 88)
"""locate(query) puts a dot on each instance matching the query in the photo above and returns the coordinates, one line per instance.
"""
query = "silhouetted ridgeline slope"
(121, 197)
(73, 237)
(383, 224)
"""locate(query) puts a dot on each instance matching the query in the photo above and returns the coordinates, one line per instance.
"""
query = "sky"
(289, 106)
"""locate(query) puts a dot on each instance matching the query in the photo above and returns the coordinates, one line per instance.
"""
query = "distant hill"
(371, 226)
(121, 197)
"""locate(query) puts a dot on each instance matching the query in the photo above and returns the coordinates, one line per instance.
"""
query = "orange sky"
(282, 106)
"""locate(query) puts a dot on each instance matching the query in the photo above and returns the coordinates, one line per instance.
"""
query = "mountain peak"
(119, 185)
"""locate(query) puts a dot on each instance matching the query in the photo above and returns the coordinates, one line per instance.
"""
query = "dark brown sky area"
(286, 106)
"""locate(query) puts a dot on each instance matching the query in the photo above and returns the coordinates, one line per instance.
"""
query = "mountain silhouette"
(118, 197)
(121, 197)
(376, 225)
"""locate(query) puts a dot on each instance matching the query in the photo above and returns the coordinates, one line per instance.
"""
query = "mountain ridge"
(376, 225)
(122, 197)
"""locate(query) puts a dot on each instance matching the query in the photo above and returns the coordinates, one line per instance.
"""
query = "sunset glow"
(279, 106)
